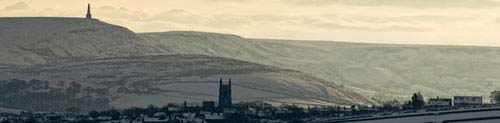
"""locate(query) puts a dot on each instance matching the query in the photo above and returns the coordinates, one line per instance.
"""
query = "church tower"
(225, 94)
(88, 16)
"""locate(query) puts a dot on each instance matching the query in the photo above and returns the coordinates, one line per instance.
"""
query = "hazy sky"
(455, 22)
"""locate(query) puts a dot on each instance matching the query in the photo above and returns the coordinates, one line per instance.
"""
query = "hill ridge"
(382, 71)
(80, 59)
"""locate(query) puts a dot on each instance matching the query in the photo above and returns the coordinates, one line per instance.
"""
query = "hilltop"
(39, 40)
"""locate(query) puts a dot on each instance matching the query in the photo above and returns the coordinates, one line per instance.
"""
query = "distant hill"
(383, 71)
(40, 40)
(59, 63)
(159, 80)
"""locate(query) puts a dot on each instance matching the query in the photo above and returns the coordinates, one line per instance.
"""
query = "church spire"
(89, 15)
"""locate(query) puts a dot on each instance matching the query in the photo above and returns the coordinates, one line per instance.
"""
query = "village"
(224, 110)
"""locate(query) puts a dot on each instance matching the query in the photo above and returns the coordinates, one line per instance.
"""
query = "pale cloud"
(107, 7)
(180, 16)
(230, 1)
(401, 3)
(18, 6)
(120, 13)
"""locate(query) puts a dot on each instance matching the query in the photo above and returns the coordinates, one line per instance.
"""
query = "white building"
(214, 116)
(440, 103)
(154, 120)
(464, 101)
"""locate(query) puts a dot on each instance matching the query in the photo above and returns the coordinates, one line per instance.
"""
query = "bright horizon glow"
(433, 22)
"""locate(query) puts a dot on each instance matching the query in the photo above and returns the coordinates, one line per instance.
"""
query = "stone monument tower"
(89, 15)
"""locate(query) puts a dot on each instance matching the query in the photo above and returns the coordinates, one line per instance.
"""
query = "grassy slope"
(143, 80)
(382, 71)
